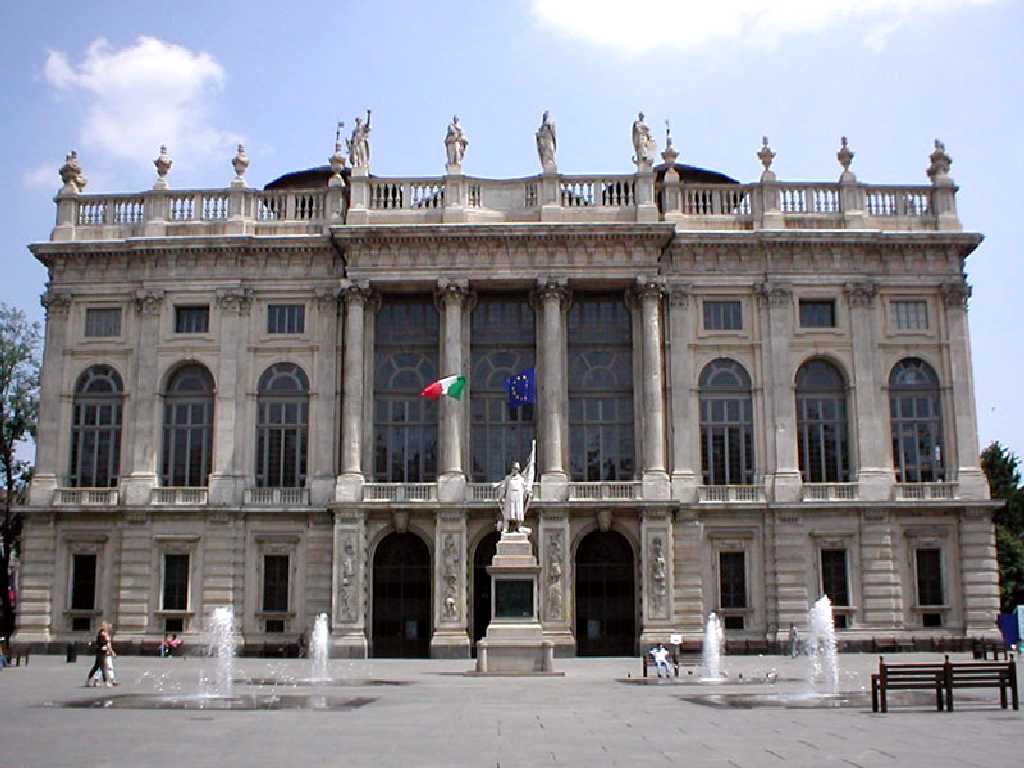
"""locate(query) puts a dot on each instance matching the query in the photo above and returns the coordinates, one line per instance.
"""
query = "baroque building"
(749, 395)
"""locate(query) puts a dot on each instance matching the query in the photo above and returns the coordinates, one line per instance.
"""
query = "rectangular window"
(275, 583)
(286, 318)
(192, 319)
(929, 577)
(732, 579)
(175, 595)
(103, 322)
(910, 315)
(83, 582)
(723, 316)
(834, 582)
(817, 313)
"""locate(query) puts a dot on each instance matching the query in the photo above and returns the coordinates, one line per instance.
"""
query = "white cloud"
(690, 24)
(42, 176)
(143, 95)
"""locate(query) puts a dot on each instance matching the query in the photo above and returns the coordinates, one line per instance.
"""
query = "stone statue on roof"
(644, 145)
(359, 144)
(455, 142)
(547, 142)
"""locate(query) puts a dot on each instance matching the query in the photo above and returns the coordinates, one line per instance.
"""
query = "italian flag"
(449, 385)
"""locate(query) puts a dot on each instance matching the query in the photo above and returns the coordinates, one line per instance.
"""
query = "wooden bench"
(983, 674)
(907, 677)
(648, 663)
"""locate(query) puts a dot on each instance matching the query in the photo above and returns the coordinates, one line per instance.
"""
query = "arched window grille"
(96, 428)
(188, 428)
(915, 411)
(282, 427)
(823, 442)
(726, 424)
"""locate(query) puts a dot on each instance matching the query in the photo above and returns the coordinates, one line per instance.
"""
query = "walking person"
(108, 662)
(794, 641)
(99, 666)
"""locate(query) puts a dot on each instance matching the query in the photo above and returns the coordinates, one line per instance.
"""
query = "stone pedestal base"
(40, 493)
(656, 486)
(449, 644)
(225, 490)
(786, 486)
(973, 485)
(511, 657)
(684, 487)
(136, 489)
(554, 486)
(348, 645)
(451, 488)
(322, 490)
(874, 484)
(349, 487)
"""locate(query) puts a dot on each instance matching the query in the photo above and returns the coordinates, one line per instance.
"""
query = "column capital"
(648, 287)
(553, 288)
(679, 294)
(236, 300)
(451, 290)
(771, 294)
(326, 297)
(56, 302)
(149, 302)
(955, 293)
(356, 291)
(861, 294)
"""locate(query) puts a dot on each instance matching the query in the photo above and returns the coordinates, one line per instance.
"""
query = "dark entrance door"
(482, 585)
(605, 598)
(401, 597)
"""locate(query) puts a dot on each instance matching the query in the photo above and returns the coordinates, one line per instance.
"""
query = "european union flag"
(522, 388)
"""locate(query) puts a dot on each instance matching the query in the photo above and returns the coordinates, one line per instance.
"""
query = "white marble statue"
(547, 142)
(644, 145)
(359, 144)
(513, 497)
(455, 142)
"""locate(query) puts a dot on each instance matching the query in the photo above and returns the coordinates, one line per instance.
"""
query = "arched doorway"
(605, 596)
(401, 598)
(482, 585)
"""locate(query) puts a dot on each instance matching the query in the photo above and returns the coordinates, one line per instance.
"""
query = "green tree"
(1001, 469)
(19, 408)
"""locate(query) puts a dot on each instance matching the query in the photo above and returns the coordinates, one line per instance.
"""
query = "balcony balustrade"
(85, 497)
(179, 497)
(926, 491)
(276, 497)
(731, 494)
(830, 491)
(626, 491)
(400, 492)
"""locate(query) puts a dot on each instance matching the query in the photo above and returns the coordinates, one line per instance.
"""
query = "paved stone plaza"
(587, 718)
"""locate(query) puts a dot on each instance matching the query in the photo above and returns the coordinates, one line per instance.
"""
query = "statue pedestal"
(514, 644)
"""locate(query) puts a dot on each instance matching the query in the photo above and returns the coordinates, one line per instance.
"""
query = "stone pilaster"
(789, 563)
(684, 417)
(657, 566)
(881, 586)
(135, 576)
(324, 406)
(554, 296)
(141, 476)
(451, 480)
(451, 638)
(555, 586)
(969, 475)
(688, 575)
(874, 473)
(350, 481)
(38, 613)
(782, 476)
(348, 596)
(228, 479)
(655, 476)
(46, 477)
(979, 573)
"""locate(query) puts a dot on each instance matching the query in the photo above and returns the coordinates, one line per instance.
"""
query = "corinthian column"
(350, 481)
(451, 481)
(655, 477)
(48, 435)
(554, 296)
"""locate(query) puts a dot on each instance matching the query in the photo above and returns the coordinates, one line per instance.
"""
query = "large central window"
(282, 424)
(188, 428)
(405, 361)
(503, 343)
(916, 417)
(822, 440)
(726, 424)
(601, 442)
(96, 429)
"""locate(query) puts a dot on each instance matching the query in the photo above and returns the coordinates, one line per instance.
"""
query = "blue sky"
(115, 81)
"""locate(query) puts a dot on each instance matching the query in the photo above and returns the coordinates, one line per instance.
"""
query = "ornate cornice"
(238, 300)
(57, 303)
(149, 302)
(861, 294)
(771, 294)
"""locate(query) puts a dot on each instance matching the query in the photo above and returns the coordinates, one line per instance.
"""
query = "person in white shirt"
(660, 654)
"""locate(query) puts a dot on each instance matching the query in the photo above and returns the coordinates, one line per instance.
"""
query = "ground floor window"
(175, 582)
(83, 582)
(732, 580)
(834, 581)
(929, 577)
(275, 583)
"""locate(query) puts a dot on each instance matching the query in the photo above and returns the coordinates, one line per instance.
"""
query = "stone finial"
(845, 157)
(240, 162)
(71, 174)
(766, 156)
(337, 160)
(670, 155)
(938, 171)
(163, 164)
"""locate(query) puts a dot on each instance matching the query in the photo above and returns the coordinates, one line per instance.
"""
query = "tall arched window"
(823, 440)
(188, 428)
(916, 415)
(726, 424)
(96, 429)
(282, 427)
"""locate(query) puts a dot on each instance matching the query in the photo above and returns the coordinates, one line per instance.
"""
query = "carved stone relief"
(450, 563)
(347, 586)
(659, 578)
(554, 590)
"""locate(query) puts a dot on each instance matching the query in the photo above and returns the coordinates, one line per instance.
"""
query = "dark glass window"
(103, 321)
(83, 582)
(723, 316)
(502, 344)
(929, 577)
(834, 582)
(726, 424)
(286, 318)
(188, 428)
(817, 313)
(910, 315)
(96, 429)
(915, 414)
(282, 426)
(175, 592)
(192, 319)
(732, 579)
(823, 444)
(275, 583)
(405, 360)
(601, 438)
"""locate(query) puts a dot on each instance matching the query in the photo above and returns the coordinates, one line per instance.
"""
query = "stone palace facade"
(749, 395)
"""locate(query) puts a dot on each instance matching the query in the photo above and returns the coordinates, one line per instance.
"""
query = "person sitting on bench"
(660, 654)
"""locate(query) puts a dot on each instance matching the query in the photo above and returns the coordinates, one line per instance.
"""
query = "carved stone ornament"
(326, 297)
(400, 520)
(552, 289)
(347, 585)
(940, 162)
(148, 302)
(337, 159)
(163, 165)
(554, 591)
(862, 294)
(766, 156)
(235, 300)
(670, 155)
(356, 291)
(659, 577)
(56, 303)
(773, 294)
(955, 293)
(240, 162)
(845, 154)
(604, 520)
(547, 143)
(450, 562)
(679, 295)
(71, 173)
(451, 290)
(647, 287)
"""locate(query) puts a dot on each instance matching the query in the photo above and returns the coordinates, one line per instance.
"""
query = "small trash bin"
(72, 653)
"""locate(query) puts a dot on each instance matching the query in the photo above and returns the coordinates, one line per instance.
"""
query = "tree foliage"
(1001, 469)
